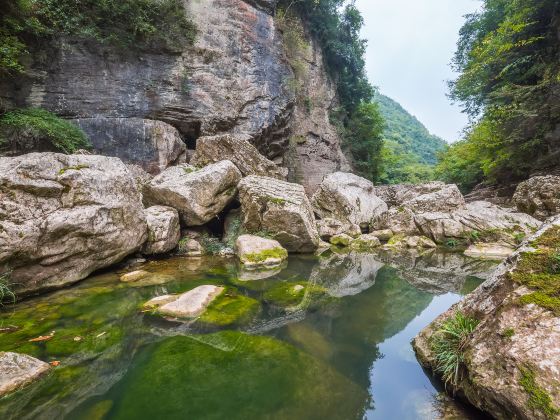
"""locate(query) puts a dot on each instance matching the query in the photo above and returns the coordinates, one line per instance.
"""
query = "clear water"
(343, 353)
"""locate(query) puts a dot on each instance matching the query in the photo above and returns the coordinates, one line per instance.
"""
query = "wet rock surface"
(18, 370)
(254, 251)
(55, 209)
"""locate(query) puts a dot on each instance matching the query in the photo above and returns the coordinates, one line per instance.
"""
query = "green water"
(338, 348)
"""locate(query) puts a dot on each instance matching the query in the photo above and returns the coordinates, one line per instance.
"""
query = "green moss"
(74, 168)
(260, 257)
(508, 333)
(549, 239)
(341, 240)
(396, 240)
(230, 309)
(292, 293)
(539, 400)
(544, 300)
(276, 200)
(189, 169)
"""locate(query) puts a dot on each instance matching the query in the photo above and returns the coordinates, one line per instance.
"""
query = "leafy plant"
(475, 236)
(451, 243)
(448, 345)
(6, 286)
(37, 128)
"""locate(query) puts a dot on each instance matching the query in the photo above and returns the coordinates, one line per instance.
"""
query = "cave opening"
(191, 133)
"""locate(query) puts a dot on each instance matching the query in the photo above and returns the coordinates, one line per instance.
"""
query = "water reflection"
(348, 345)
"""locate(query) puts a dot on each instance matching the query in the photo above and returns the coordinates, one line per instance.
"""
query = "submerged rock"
(240, 152)
(254, 251)
(539, 196)
(163, 230)
(365, 243)
(197, 194)
(18, 370)
(348, 198)
(510, 366)
(281, 209)
(190, 304)
(134, 276)
(63, 217)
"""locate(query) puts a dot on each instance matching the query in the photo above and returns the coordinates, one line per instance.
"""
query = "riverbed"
(341, 350)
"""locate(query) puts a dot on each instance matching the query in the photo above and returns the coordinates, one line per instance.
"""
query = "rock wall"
(233, 80)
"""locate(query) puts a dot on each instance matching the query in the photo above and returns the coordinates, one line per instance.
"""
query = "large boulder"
(509, 364)
(254, 251)
(539, 196)
(348, 198)
(395, 195)
(153, 145)
(329, 227)
(477, 221)
(18, 370)
(63, 217)
(163, 230)
(199, 195)
(280, 209)
(243, 154)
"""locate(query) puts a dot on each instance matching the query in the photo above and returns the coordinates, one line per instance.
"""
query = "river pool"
(339, 349)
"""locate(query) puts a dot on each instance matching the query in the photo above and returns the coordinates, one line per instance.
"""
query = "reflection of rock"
(346, 275)
(438, 272)
(18, 370)
(251, 275)
(491, 251)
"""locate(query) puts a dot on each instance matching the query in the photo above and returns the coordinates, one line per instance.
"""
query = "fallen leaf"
(77, 338)
(100, 335)
(41, 338)
(54, 363)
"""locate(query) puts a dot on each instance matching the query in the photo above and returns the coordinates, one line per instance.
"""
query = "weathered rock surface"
(239, 151)
(153, 145)
(539, 196)
(348, 198)
(329, 227)
(197, 194)
(365, 242)
(18, 370)
(134, 276)
(190, 304)
(191, 247)
(511, 368)
(281, 209)
(254, 251)
(163, 230)
(395, 195)
(342, 240)
(63, 217)
(501, 195)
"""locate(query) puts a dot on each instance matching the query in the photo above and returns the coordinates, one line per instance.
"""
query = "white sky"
(410, 46)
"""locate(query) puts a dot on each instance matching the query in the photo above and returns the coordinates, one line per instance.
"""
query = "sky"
(410, 46)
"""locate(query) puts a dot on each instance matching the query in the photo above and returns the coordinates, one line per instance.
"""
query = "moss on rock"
(230, 309)
(263, 256)
(292, 293)
(539, 399)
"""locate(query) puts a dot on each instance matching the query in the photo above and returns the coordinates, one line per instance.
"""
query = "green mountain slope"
(410, 151)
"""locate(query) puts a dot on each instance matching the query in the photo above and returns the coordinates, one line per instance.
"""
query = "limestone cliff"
(234, 79)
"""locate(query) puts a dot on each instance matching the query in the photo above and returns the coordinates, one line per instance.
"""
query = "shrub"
(28, 129)
(6, 291)
(448, 344)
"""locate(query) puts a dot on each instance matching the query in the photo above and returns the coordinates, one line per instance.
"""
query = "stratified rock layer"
(63, 217)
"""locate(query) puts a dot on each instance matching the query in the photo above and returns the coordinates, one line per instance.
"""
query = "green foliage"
(160, 24)
(508, 333)
(40, 128)
(363, 137)
(448, 344)
(400, 166)
(6, 291)
(539, 399)
(507, 58)
(406, 131)
(211, 245)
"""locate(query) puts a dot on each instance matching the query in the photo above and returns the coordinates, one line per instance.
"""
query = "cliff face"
(234, 79)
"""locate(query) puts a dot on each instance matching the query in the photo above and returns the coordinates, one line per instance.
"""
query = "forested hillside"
(508, 57)
(409, 150)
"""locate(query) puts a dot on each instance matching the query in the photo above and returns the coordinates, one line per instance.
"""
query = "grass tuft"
(6, 292)
(448, 344)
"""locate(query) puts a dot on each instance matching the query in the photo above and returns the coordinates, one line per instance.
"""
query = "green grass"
(539, 400)
(6, 292)
(42, 128)
(508, 333)
(448, 345)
